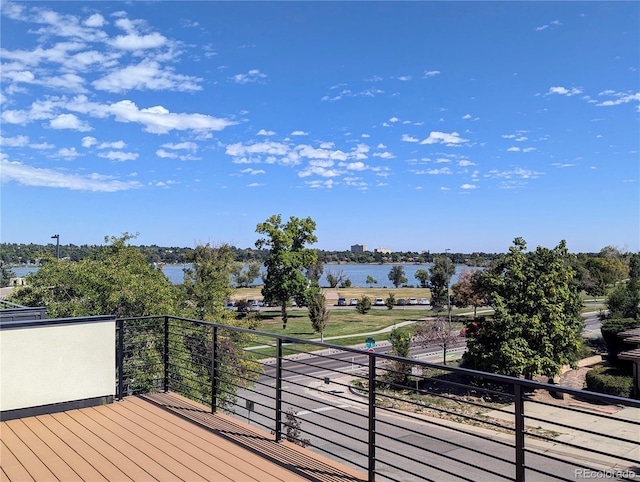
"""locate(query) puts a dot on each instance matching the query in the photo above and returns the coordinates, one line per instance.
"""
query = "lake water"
(357, 273)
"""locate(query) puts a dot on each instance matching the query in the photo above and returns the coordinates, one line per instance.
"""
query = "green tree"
(623, 301)
(390, 301)
(537, 326)
(7, 274)
(422, 275)
(440, 275)
(318, 311)
(207, 282)
(245, 277)
(207, 286)
(396, 275)
(464, 292)
(288, 256)
(116, 280)
(371, 280)
(400, 346)
(363, 305)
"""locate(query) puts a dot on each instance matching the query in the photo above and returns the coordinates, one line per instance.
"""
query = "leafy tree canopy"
(117, 280)
(537, 326)
(288, 257)
(396, 275)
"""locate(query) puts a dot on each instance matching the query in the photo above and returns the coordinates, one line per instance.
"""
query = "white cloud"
(381, 146)
(263, 132)
(465, 163)
(119, 156)
(192, 146)
(436, 137)
(253, 171)
(165, 154)
(67, 153)
(95, 20)
(251, 76)
(513, 149)
(468, 186)
(18, 141)
(408, 138)
(158, 120)
(404, 77)
(466, 116)
(133, 41)
(112, 145)
(564, 91)
(394, 119)
(384, 155)
(528, 149)
(327, 145)
(430, 73)
(147, 75)
(299, 133)
(69, 121)
(365, 135)
(32, 176)
(89, 141)
(273, 148)
(355, 166)
(622, 98)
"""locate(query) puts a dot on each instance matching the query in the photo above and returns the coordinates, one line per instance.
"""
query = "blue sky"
(401, 125)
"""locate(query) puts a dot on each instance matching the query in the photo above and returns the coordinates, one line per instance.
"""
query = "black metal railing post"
(519, 433)
(372, 418)
(278, 429)
(165, 354)
(214, 370)
(120, 357)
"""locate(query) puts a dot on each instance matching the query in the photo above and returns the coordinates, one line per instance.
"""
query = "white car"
(423, 301)
(379, 302)
(412, 301)
(353, 301)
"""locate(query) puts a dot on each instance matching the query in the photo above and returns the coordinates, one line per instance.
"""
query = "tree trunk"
(284, 314)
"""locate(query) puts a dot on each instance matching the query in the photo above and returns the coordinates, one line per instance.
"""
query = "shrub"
(609, 380)
(390, 301)
(363, 305)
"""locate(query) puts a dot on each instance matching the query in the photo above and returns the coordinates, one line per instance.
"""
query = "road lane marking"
(322, 409)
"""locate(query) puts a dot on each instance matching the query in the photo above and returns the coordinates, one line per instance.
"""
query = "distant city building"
(358, 248)
(382, 250)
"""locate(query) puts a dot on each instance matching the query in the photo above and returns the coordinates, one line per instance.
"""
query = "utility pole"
(57, 236)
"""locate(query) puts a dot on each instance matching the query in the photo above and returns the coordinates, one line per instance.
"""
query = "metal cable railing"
(392, 418)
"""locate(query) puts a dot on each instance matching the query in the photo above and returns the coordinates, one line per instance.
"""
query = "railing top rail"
(4, 325)
(500, 379)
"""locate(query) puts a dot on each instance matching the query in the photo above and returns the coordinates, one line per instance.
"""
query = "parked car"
(423, 301)
(230, 305)
(255, 307)
(401, 302)
(379, 302)
(342, 302)
(353, 301)
(412, 301)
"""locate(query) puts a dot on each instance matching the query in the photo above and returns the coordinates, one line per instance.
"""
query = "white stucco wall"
(40, 365)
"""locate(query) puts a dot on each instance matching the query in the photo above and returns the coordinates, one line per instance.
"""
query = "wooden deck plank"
(134, 448)
(37, 470)
(127, 466)
(287, 455)
(174, 458)
(80, 466)
(11, 466)
(164, 437)
(58, 466)
(211, 446)
(94, 457)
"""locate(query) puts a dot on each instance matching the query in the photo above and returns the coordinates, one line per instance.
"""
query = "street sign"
(416, 371)
(369, 343)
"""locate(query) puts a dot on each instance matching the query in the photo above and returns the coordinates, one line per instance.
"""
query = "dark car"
(401, 302)
(342, 302)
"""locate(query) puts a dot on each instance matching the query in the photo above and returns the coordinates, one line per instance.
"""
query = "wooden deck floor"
(157, 437)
